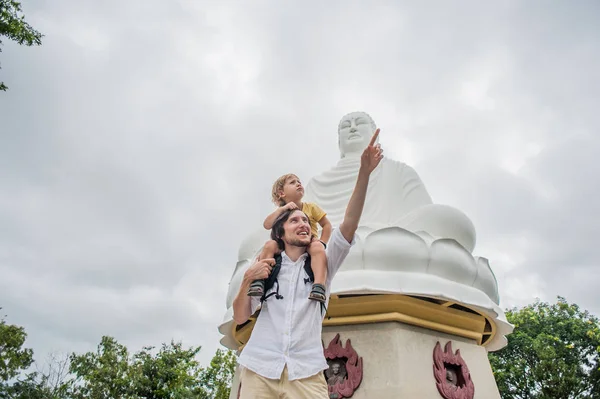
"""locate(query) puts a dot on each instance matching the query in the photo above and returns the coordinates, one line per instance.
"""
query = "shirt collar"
(287, 258)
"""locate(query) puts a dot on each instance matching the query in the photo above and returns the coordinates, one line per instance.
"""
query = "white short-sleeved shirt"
(288, 330)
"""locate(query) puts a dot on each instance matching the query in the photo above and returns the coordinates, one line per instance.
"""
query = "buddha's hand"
(372, 155)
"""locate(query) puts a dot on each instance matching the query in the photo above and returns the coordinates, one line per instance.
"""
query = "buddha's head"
(335, 367)
(354, 133)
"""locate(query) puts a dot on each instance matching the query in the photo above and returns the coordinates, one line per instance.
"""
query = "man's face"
(292, 190)
(297, 230)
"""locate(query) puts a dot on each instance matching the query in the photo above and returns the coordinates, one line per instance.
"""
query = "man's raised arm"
(369, 160)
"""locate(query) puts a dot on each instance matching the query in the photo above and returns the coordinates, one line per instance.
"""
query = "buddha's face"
(335, 368)
(355, 132)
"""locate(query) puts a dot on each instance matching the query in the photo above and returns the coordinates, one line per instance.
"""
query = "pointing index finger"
(374, 138)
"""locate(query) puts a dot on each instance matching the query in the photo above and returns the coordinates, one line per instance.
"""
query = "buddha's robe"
(396, 196)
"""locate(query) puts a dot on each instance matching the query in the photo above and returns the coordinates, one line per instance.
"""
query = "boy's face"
(292, 190)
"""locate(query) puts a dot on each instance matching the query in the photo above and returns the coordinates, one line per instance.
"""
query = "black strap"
(308, 271)
(272, 280)
(311, 279)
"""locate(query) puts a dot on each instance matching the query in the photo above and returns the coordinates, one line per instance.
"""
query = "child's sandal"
(318, 293)
(257, 288)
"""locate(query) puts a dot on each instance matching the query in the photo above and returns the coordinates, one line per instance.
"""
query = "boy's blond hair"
(278, 186)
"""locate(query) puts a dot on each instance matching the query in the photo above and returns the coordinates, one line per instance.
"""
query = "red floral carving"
(442, 360)
(354, 368)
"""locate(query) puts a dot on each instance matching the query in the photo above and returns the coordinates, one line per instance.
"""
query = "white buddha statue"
(396, 195)
(405, 244)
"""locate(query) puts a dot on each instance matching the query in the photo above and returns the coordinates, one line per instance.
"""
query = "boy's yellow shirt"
(315, 214)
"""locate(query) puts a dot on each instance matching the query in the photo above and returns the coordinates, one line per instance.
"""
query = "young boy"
(287, 193)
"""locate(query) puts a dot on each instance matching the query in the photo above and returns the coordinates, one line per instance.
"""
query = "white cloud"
(138, 146)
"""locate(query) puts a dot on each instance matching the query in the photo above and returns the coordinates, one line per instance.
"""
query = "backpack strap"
(311, 279)
(308, 270)
(272, 280)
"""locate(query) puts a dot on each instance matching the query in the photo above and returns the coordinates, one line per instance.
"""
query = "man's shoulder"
(338, 240)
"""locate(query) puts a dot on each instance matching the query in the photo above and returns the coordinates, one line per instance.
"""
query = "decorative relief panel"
(452, 376)
(345, 369)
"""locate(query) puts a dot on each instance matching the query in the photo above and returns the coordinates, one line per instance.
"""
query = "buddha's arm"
(369, 160)
(414, 192)
(355, 206)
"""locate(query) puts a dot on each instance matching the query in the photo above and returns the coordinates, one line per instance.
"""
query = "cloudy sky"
(138, 146)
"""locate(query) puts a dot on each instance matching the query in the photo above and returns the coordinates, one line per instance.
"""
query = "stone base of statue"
(394, 346)
(413, 348)
(399, 362)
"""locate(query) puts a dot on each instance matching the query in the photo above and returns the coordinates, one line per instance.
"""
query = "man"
(284, 355)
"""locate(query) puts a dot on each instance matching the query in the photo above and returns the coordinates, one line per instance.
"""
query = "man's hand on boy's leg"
(260, 270)
(256, 274)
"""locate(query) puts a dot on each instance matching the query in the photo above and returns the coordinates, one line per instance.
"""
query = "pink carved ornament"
(353, 366)
(452, 376)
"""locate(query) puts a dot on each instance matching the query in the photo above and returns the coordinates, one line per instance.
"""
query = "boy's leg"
(318, 264)
(257, 288)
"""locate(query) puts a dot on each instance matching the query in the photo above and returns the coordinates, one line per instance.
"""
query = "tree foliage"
(169, 373)
(554, 352)
(14, 359)
(173, 372)
(14, 27)
(103, 374)
(111, 372)
(216, 379)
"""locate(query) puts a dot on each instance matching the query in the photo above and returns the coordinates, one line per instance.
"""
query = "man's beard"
(297, 242)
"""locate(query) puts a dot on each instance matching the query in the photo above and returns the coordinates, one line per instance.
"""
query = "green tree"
(37, 386)
(14, 359)
(14, 27)
(51, 382)
(554, 352)
(216, 379)
(104, 374)
(171, 373)
(110, 372)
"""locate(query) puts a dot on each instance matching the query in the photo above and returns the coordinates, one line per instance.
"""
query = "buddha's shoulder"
(395, 166)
